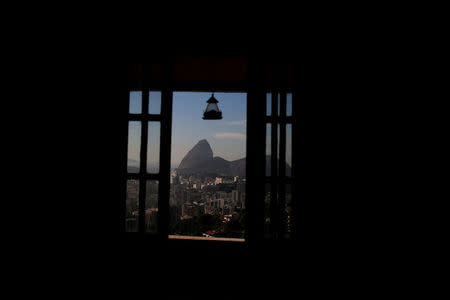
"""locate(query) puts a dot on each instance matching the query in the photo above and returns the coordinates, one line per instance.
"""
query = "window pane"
(268, 148)
(267, 233)
(132, 206)
(154, 132)
(269, 103)
(151, 206)
(154, 106)
(279, 102)
(135, 102)
(278, 150)
(289, 104)
(288, 212)
(134, 146)
(288, 149)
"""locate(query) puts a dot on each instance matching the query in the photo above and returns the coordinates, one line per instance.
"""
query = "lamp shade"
(212, 111)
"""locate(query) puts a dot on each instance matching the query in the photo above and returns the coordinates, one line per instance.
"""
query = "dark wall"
(335, 231)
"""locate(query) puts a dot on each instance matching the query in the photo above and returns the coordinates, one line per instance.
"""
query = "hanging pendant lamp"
(212, 111)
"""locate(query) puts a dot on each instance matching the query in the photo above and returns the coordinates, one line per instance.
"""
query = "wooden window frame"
(256, 88)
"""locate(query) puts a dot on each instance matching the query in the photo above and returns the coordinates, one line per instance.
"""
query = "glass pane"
(151, 206)
(154, 105)
(267, 233)
(278, 150)
(289, 104)
(288, 212)
(135, 102)
(134, 146)
(212, 107)
(132, 206)
(269, 103)
(154, 132)
(288, 149)
(279, 102)
(268, 148)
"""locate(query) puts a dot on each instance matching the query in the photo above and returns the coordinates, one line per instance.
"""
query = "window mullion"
(295, 187)
(143, 118)
(143, 162)
(165, 153)
(282, 166)
(274, 216)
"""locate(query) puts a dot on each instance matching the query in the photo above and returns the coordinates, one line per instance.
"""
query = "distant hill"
(133, 167)
(200, 159)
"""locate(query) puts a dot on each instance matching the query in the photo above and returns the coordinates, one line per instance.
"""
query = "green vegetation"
(196, 226)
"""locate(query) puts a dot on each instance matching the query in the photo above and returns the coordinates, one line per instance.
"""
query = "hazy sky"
(227, 137)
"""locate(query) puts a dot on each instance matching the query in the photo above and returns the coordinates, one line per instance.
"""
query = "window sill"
(200, 238)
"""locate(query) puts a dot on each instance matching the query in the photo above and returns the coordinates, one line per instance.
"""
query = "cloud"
(240, 123)
(230, 135)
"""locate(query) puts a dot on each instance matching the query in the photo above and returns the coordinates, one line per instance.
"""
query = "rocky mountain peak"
(200, 159)
(199, 155)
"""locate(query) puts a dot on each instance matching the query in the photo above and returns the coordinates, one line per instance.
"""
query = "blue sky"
(227, 137)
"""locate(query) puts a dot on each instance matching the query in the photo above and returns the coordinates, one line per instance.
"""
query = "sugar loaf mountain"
(200, 159)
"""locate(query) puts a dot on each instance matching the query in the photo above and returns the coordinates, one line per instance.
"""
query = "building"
(151, 219)
(190, 210)
(236, 197)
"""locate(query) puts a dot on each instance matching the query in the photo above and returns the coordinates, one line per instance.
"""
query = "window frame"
(256, 88)
(277, 179)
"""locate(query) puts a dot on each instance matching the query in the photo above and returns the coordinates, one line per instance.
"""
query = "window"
(278, 191)
(208, 203)
(207, 180)
(143, 166)
(161, 201)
